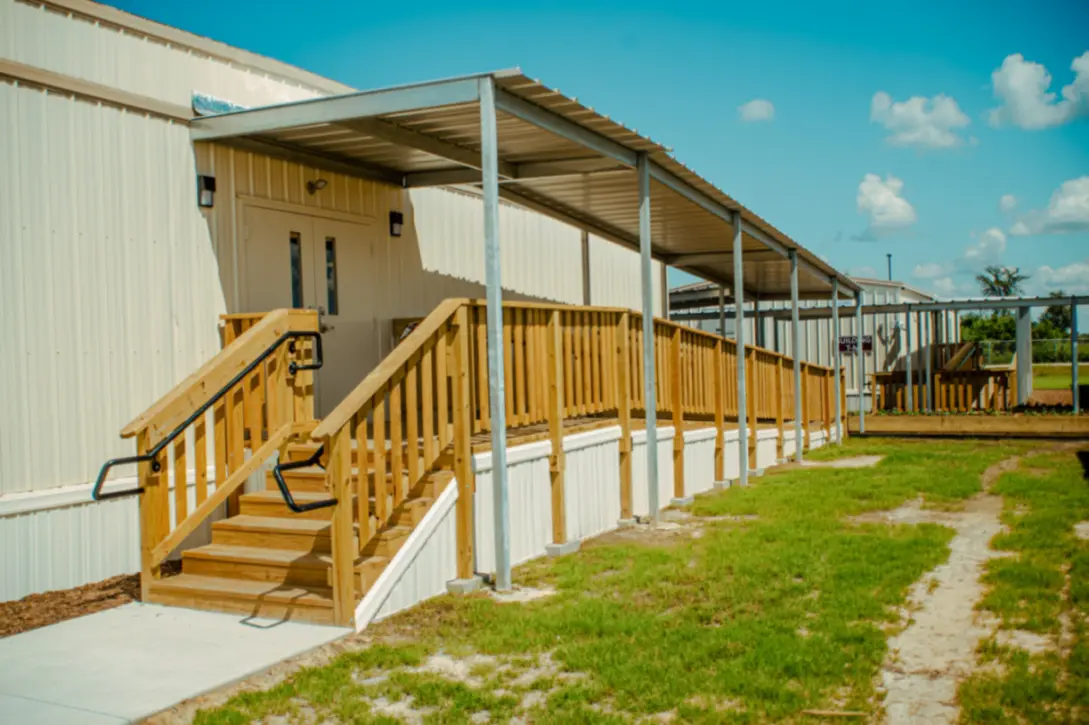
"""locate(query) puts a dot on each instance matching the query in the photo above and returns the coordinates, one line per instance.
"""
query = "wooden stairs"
(268, 561)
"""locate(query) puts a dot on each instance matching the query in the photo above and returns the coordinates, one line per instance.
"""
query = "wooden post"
(677, 395)
(154, 514)
(554, 411)
(750, 401)
(717, 388)
(623, 400)
(826, 381)
(875, 395)
(340, 485)
(843, 401)
(463, 453)
(805, 407)
(779, 405)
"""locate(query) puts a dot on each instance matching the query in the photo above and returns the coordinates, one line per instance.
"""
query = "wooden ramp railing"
(419, 408)
(246, 397)
(954, 391)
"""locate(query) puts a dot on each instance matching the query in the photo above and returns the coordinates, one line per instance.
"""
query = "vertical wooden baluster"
(595, 360)
(532, 368)
(154, 513)
(428, 405)
(481, 390)
(200, 459)
(519, 392)
(379, 480)
(508, 366)
(181, 481)
(236, 445)
(567, 320)
(463, 469)
(720, 418)
(363, 479)
(780, 405)
(397, 452)
(412, 412)
(219, 433)
(805, 407)
(442, 382)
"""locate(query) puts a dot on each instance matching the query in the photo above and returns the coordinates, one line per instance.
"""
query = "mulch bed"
(1051, 398)
(40, 610)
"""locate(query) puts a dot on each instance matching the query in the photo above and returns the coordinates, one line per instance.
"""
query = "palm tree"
(1001, 281)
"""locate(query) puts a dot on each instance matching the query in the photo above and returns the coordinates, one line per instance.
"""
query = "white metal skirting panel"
(699, 461)
(53, 544)
(640, 496)
(817, 438)
(592, 482)
(767, 441)
(788, 441)
(421, 567)
(109, 287)
(731, 455)
(529, 488)
(96, 52)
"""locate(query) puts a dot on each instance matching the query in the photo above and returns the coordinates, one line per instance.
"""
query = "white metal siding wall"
(699, 461)
(614, 277)
(592, 483)
(530, 505)
(121, 59)
(108, 283)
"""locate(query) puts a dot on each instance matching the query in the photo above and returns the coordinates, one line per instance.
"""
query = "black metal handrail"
(277, 473)
(153, 454)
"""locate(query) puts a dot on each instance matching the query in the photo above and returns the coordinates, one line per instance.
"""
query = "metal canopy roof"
(556, 156)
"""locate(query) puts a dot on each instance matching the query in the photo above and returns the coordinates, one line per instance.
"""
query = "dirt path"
(928, 659)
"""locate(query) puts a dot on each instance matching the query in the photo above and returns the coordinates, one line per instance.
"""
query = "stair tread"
(260, 555)
(274, 494)
(249, 522)
(246, 588)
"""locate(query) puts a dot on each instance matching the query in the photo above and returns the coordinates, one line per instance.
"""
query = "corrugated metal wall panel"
(640, 496)
(592, 483)
(614, 277)
(699, 461)
(110, 291)
(530, 498)
(91, 51)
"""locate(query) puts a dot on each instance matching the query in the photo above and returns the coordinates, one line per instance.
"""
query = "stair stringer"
(421, 567)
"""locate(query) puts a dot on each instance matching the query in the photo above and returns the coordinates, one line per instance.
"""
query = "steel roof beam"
(516, 172)
(327, 162)
(334, 109)
(400, 136)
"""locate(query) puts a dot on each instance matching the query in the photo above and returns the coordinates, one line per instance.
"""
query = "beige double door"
(302, 261)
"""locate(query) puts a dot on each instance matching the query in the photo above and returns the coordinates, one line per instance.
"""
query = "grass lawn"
(1043, 589)
(766, 603)
(1057, 377)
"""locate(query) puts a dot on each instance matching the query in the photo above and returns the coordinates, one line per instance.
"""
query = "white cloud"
(944, 287)
(1072, 278)
(1007, 202)
(882, 201)
(919, 121)
(864, 272)
(1023, 85)
(1067, 211)
(987, 249)
(930, 270)
(757, 110)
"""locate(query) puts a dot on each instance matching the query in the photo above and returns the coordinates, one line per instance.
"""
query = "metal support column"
(739, 335)
(721, 311)
(837, 362)
(795, 351)
(1074, 355)
(860, 365)
(489, 167)
(928, 349)
(907, 361)
(645, 265)
(1024, 354)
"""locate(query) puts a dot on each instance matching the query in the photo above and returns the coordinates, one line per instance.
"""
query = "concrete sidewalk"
(127, 663)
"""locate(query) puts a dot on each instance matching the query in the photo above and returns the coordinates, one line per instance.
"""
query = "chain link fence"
(1000, 352)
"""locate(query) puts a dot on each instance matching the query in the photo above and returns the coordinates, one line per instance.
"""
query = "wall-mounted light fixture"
(396, 223)
(206, 191)
(313, 187)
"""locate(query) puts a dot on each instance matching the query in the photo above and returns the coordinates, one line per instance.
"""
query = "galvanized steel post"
(1074, 354)
(651, 404)
(795, 351)
(837, 361)
(737, 287)
(489, 167)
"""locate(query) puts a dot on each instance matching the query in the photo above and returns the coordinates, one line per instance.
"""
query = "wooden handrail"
(174, 407)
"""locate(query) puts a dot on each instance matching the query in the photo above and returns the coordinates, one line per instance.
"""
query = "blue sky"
(850, 177)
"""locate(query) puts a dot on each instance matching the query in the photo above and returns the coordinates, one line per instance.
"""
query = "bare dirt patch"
(1081, 530)
(675, 525)
(936, 649)
(853, 462)
(41, 610)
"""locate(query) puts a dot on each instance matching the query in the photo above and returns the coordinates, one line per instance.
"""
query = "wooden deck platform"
(974, 426)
